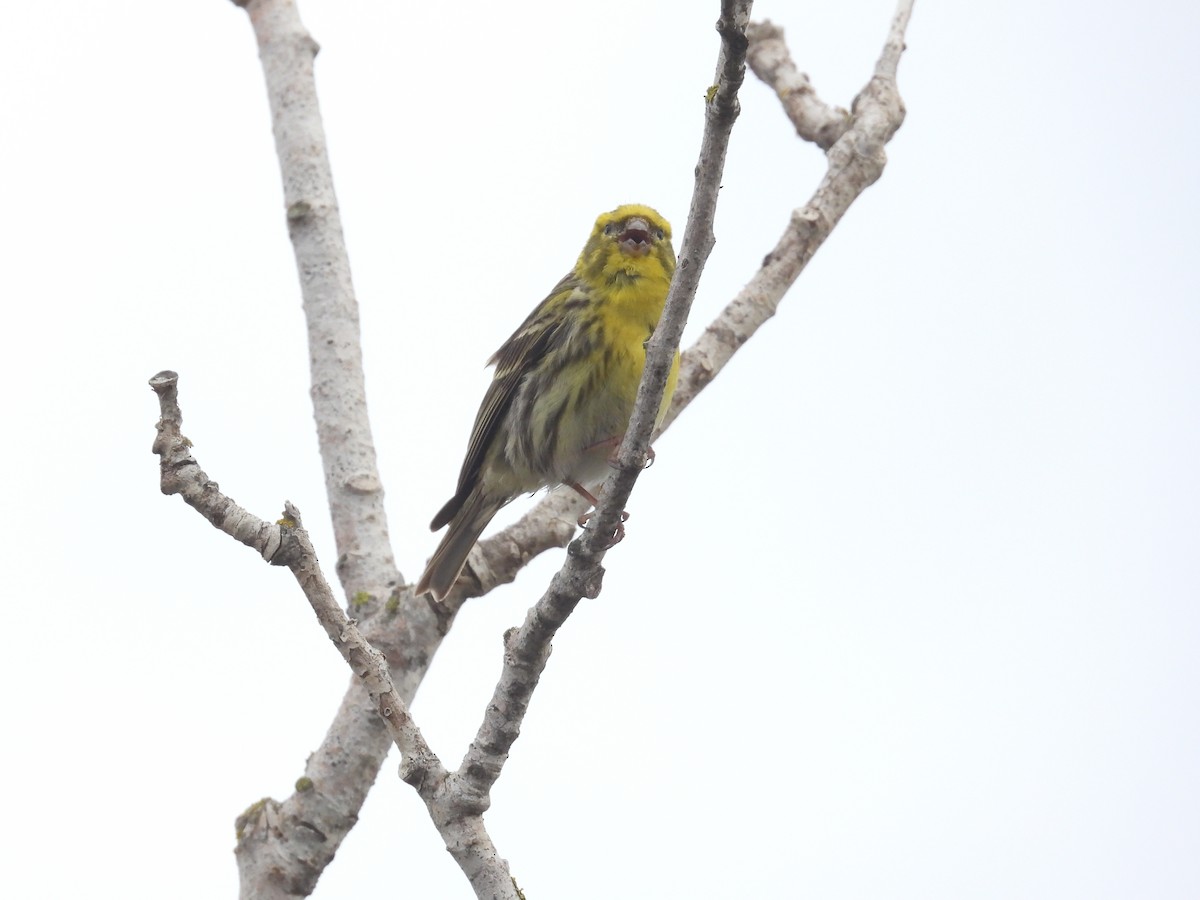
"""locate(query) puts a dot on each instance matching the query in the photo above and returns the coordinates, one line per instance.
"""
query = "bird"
(564, 385)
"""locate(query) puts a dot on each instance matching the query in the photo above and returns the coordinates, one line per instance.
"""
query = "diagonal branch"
(286, 543)
(877, 114)
(856, 161)
(528, 648)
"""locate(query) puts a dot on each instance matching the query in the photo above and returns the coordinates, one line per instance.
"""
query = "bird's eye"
(660, 234)
(610, 228)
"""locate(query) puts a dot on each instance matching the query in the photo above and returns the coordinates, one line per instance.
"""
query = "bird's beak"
(634, 240)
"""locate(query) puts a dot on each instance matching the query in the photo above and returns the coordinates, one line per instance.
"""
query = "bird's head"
(629, 243)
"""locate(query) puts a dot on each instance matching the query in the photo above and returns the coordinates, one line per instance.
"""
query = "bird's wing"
(517, 356)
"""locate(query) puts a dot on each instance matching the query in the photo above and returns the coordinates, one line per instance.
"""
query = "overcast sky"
(908, 603)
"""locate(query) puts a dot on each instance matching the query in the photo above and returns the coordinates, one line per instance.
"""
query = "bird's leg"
(615, 443)
(618, 533)
(585, 494)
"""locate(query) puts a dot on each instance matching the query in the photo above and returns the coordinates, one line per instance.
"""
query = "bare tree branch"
(352, 482)
(770, 60)
(528, 648)
(306, 830)
(311, 824)
(878, 114)
(456, 812)
(856, 161)
(497, 560)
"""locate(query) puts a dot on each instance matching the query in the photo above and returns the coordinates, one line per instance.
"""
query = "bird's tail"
(448, 560)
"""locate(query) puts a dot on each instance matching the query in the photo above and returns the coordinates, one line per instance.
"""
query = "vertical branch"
(284, 846)
(352, 483)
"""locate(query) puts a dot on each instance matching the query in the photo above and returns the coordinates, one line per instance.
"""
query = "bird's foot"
(615, 444)
(618, 534)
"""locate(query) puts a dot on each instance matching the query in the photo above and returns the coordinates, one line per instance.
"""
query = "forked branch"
(287, 861)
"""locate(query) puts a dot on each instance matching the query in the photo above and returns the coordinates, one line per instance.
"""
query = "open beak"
(635, 239)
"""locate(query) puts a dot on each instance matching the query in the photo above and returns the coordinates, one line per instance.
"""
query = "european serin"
(565, 383)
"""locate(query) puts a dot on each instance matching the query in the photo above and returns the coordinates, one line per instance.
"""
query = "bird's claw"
(618, 534)
(646, 463)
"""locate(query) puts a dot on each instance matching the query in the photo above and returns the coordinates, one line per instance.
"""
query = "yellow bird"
(565, 383)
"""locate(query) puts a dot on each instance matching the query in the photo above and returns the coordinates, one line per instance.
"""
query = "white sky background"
(908, 606)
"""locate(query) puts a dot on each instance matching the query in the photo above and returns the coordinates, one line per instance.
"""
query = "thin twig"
(769, 59)
(878, 113)
(856, 161)
(528, 648)
(286, 543)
